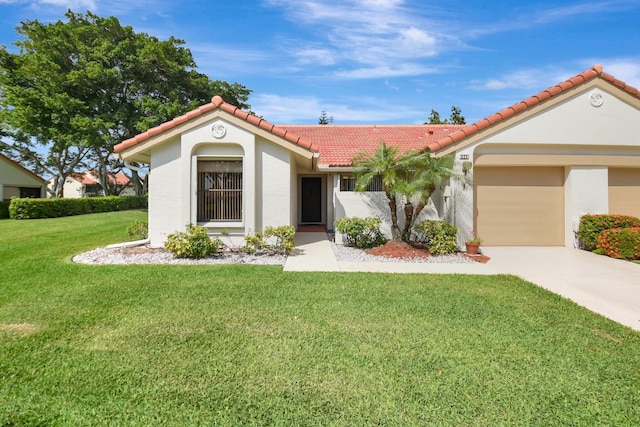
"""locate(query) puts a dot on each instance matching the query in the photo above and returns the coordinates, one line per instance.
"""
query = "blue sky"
(378, 61)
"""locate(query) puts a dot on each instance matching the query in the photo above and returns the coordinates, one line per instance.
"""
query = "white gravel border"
(126, 255)
(350, 254)
(160, 256)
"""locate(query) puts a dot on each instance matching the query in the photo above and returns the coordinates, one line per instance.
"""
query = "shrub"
(283, 237)
(195, 243)
(360, 232)
(592, 225)
(253, 243)
(4, 209)
(440, 236)
(139, 229)
(28, 208)
(274, 240)
(622, 243)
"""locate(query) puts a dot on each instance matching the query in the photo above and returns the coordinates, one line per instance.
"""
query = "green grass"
(252, 345)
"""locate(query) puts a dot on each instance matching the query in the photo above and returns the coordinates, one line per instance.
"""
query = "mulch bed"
(395, 249)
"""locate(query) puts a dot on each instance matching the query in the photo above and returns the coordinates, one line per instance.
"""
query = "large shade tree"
(81, 86)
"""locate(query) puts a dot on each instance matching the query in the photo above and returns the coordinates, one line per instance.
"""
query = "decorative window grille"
(348, 183)
(219, 190)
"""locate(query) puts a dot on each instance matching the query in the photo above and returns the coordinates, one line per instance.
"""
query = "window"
(29, 192)
(219, 190)
(348, 183)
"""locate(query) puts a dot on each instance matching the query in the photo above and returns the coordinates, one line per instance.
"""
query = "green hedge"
(4, 209)
(55, 208)
(622, 243)
(592, 225)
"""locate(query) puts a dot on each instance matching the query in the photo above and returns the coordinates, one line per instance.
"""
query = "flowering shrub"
(622, 243)
(592, 225)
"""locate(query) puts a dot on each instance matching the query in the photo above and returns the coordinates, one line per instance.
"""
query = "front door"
(311, 189)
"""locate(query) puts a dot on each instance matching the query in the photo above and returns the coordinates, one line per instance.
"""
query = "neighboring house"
(16, 181)
(537, 167)
(86, 184)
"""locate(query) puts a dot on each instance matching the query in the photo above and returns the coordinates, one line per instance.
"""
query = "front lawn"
(252, 345)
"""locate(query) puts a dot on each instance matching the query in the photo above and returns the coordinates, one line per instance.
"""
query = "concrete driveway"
(607, 286)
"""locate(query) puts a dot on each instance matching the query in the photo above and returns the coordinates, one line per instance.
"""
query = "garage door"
(520, 206)
(624, 191)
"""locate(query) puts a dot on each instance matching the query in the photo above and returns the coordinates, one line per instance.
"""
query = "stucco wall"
(13, 177)
(273, 174)
(268, 176)
(374, 204)
(165, 215)
(586, 192)
(577, 121)
(572, 133)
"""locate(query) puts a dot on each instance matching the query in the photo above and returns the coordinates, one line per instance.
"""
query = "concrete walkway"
(606, 286)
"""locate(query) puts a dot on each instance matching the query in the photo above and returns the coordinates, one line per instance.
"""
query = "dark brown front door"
(311, 189)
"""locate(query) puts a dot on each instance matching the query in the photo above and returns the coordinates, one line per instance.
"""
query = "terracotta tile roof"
(217, 102)
(339, 144)
(590, 74)
(90, 178)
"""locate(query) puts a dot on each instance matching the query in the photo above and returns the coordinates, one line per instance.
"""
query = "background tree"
(324, 119)
(434, 118)
(81, 86)
(456, 118)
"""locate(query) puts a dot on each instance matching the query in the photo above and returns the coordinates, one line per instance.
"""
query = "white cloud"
(382, 71)
(298, 109)
(536, 79)
(529, 16)
(367, 33)
(316, 56)
(531, 79)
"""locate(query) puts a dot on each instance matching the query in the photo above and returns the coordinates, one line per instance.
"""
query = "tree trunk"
(395, 230)
(409, 214)
(137, 183)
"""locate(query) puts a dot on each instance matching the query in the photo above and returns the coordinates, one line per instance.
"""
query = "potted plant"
(473, 243)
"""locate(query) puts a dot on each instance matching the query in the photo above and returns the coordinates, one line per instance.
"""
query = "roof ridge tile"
(216, 102)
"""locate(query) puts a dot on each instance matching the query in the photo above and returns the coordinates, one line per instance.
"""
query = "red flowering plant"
(592, 225)
(621, 243)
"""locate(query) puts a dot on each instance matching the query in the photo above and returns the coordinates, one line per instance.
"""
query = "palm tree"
(427, 174)
(385, 163)
(412, 175)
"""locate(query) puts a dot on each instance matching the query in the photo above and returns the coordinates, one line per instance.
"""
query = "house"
(86, 184)
(16, 181)
(537, 166)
